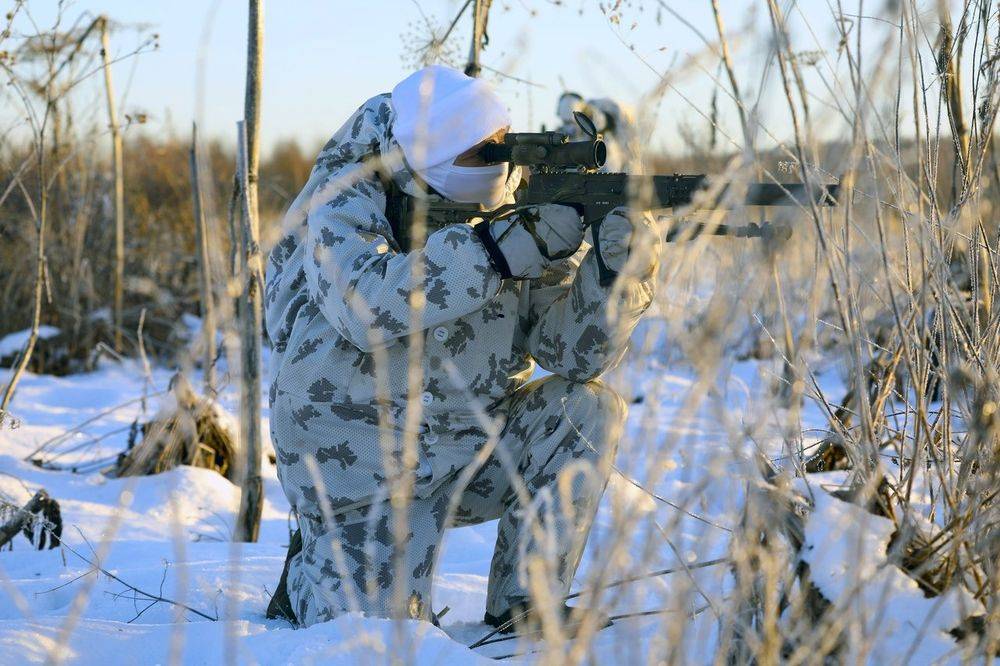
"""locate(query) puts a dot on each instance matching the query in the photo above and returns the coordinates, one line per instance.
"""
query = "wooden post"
(248, 520)
(204, 268)
(250, 315)
(116, 147)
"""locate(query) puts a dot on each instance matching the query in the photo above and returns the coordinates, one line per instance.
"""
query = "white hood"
(441, 113)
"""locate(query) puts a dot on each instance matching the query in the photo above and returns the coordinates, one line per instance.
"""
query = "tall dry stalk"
(119, 175)
(252, 96)
(202, 236)
(40, 215)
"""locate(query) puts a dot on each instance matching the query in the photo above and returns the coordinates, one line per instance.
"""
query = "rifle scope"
(548, 149)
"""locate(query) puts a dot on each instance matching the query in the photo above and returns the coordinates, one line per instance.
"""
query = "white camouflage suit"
(337, 307)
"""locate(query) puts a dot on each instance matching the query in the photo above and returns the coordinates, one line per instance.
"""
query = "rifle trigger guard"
(605, 276)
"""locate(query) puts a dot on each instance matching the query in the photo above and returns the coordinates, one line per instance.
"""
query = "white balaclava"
(440, 114)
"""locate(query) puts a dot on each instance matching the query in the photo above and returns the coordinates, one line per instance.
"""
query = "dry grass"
(190, 430)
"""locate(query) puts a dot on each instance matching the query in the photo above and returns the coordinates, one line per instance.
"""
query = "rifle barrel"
(680, 190)
(604, 191)
(766, 230)
(791, 194)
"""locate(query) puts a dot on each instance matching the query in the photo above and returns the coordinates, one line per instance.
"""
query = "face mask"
(482, 184)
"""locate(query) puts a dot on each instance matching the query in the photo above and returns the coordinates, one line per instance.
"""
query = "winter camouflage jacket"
(337, 306)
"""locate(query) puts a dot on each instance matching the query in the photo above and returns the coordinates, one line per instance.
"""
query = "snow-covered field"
(168, 535)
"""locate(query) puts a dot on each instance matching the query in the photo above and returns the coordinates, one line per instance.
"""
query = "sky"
(323, 58)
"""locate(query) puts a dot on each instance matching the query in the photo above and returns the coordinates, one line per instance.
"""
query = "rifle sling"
(493, 251)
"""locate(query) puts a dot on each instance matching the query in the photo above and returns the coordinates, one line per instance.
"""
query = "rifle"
(565, 172)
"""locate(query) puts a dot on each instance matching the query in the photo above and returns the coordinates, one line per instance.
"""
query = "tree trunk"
(116, 147)
(204, 269)
(251, 500)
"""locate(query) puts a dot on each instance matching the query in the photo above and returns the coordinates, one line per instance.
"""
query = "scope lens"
(600, 153)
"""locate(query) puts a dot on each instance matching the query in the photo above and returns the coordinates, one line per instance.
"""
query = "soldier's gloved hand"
(534, 237)
(628, 241)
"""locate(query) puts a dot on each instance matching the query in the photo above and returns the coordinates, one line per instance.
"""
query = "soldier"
(615, 122)
(491, 301)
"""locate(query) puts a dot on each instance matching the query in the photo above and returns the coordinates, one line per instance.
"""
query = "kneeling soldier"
(491, 301)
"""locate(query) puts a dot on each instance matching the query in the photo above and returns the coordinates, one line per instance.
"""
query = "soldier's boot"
(280, 605)
(521, 618)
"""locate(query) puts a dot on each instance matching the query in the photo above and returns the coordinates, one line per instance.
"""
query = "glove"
(619, 240)
(535, 237)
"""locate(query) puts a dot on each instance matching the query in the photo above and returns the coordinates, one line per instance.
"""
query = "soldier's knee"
(607, 402)
(594, 399)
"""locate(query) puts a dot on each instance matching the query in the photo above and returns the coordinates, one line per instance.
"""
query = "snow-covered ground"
(168, 535)
(13, 343)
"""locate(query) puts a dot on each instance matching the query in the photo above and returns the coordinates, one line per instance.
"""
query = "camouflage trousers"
(559, 439)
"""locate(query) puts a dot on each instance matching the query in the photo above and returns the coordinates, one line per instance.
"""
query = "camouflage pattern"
(554, 425)
(337, 309)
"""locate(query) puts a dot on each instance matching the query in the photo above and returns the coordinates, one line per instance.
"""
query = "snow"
(14, 343)
(169, 534)
(846, 549)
